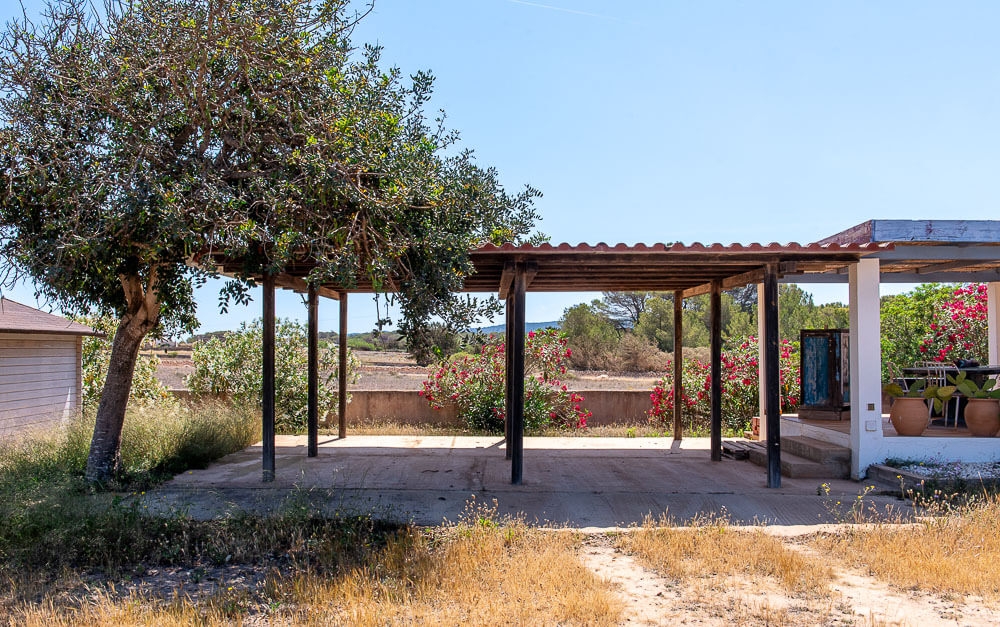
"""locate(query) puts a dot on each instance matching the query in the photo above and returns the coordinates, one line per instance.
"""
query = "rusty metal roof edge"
(773, 247)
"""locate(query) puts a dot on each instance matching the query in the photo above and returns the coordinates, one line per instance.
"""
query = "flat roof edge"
(919, 232)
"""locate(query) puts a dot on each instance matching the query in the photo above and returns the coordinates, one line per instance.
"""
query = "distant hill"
(528, 326)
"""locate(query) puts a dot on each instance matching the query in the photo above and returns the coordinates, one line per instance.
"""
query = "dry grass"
(956, 552)
(392, 427)
(480, 571)
(710, 548)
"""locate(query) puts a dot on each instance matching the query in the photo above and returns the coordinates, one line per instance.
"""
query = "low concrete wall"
(408, 407)
(403, 406)
(616, 406)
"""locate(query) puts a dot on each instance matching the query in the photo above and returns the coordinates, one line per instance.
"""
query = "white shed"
(40, 367)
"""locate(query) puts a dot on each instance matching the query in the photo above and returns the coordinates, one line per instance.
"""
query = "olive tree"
(145, 135)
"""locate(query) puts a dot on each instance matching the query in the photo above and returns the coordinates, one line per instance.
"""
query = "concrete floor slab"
(574, 481)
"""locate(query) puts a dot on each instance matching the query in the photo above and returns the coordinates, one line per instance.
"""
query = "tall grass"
(157, 441)
(711, 546)
(52, 519)
(955, 551)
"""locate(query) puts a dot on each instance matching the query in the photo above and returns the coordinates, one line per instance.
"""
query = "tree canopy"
(155, 132)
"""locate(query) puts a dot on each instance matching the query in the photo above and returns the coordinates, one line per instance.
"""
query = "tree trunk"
(142, 314)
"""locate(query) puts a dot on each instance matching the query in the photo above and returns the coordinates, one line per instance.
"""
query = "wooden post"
(508, 378)
(267, 401)
(312, 357)
(516, 335)
(715, 331)
(761, 360)
(342, 370)
(772, 397)
(678, 362)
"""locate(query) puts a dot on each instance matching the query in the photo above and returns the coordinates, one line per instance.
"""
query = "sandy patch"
(852, 598)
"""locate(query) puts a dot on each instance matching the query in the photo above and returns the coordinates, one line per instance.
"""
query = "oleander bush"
(740, 388)
(475, 384)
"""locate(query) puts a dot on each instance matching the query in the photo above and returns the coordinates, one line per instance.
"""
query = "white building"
(40, 367)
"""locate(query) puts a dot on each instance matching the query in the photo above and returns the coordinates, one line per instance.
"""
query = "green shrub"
(361, 344)
(232, 366)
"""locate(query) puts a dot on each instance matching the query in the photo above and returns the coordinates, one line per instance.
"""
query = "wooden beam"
(715, 335)
(312, 384)
(342, 371)
(678, 363)
(772, 398)
(530, 271)
(904, 252)
(267, 400)
(300, 285)
(507, 279)
(742, 279)
(987, 275)
(516, 338)
(947, 266)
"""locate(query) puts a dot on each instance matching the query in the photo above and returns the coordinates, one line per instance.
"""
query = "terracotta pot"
(982, 416)
(909, 415)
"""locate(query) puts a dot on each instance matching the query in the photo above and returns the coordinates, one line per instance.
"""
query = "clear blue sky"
(651, 121)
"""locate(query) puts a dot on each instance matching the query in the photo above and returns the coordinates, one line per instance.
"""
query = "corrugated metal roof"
(18, 318)
(695, 247)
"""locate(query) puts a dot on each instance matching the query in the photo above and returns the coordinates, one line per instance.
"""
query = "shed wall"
(40, 380)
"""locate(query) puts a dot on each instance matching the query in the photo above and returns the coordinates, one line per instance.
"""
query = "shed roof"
(18, 318)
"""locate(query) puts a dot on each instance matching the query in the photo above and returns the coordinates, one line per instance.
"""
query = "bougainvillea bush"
(740, 388)
(475, 384)
(959, 327)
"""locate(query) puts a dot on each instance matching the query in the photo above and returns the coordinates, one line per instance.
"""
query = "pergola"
(513, 271)
(908, 251)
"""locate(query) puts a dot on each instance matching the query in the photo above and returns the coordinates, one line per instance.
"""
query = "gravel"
(953, 470)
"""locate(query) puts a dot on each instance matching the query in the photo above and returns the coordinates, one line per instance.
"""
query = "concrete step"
(796, 467)
(815, 450)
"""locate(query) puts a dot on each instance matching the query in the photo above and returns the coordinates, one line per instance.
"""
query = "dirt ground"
(397, 371)
(855, 599)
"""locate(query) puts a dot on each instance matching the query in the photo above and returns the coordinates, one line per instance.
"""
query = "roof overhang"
(660, 267)
(927, 251)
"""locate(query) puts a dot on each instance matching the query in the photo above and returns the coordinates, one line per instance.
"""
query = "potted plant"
(909, 415)
(982, 412)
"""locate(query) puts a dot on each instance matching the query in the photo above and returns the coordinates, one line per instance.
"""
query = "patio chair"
(937, 375)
